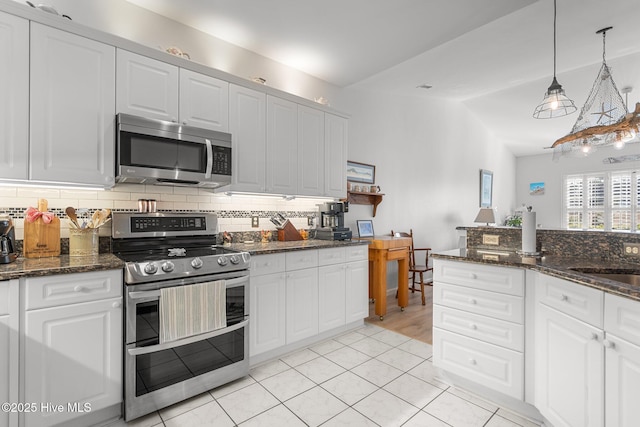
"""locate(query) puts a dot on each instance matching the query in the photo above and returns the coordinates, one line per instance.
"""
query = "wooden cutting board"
(40, 239)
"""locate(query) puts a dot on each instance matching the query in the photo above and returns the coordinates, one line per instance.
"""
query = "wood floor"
(415, 321)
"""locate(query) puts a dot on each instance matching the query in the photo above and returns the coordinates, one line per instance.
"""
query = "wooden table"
(383, 249)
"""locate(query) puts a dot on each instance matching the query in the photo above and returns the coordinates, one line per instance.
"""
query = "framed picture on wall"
(486, 188)
(361, 172)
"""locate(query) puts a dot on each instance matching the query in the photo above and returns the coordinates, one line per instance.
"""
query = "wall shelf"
(360, 198)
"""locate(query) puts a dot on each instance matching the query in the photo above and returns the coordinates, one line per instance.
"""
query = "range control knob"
(167, 267)
(222, 261)
(197, 263)
(234, 259)
(151, 268)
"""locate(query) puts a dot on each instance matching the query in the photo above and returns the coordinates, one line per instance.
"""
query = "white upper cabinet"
(310, 151)
(282, 146)
(72, 101)
(14, 102)
(335, 169)
(204, 101)
(247, 124)
(147, 87)
(157, 90)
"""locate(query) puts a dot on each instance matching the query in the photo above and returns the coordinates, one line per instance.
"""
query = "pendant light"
(555, 102)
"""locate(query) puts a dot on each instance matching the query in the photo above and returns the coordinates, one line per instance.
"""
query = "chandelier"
(603, 119)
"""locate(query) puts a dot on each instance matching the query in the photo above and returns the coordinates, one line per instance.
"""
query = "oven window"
(164, 368)
(148, 318)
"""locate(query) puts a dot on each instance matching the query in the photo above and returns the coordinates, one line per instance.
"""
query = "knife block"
(288, 233)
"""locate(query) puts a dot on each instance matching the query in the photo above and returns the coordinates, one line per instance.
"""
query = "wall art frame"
(486, 188)
(361, 172)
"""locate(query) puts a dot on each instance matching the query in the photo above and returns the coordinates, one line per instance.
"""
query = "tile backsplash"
(234, 211)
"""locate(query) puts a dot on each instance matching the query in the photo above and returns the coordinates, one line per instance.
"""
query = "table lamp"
(486, 215)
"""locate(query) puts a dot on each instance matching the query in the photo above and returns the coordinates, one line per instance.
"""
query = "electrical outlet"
(490, 239)
(631, 249)
(255, 221)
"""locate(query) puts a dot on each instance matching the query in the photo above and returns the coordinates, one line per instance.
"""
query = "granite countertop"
(63, 264)
(258, 248)
(561, 267)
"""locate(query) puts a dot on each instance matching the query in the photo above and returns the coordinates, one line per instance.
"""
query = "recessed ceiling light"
(424, 86)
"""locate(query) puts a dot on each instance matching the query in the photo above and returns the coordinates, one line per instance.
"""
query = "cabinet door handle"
(473, 301)
(608, 344)
(474, 276)
(473, 326)
(116, 304)
(563, 297)
(594, 336)
(78, 288)
(472, 361)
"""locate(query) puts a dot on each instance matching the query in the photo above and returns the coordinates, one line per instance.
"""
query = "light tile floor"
(367, 377)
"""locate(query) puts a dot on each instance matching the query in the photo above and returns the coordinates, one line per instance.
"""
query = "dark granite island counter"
(568, 268)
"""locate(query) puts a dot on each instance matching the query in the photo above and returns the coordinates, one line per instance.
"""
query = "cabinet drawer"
(331, 256)
(495, 367)
(357, 253)
(301, 259)
(267, 264)
(483, 328)
(575, 300)
(622, 317)
(497, 279)
(62, 289)
(493, 304)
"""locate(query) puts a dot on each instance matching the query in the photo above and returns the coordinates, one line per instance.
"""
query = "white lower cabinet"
(622, 355)
(9, 350)
(622, 389)
(587, 355)
(331, 296)
(72, 350)
(357, 289)
(299, 295)
(569, 370)
(478, 324)
(302, 304)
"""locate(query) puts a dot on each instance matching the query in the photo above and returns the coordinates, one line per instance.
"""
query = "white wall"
(428, 154)
(542, 168)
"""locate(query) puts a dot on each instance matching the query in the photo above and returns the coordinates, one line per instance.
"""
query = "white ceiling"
(494, 55)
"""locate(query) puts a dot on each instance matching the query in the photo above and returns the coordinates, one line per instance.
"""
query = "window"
(602, 201)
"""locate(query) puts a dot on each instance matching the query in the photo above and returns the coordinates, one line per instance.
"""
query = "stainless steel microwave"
(152, 151)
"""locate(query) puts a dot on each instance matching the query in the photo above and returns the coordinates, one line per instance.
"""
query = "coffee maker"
(7, 241)
(332, 221)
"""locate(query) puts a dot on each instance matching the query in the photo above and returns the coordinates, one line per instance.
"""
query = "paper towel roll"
(528, 232)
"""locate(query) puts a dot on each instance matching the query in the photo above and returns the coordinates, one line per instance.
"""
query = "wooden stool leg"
(422, 288)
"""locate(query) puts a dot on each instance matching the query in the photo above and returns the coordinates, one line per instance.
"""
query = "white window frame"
(634, 209)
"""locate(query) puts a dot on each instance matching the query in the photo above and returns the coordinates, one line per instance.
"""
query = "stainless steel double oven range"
(164, 251)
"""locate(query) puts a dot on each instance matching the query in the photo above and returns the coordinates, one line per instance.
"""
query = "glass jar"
(83, 241)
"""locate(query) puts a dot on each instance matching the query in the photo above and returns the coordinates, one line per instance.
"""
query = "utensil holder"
(83, 241)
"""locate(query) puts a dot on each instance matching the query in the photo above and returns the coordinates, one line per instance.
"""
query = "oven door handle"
(165, 346)
(156, 293)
